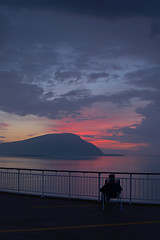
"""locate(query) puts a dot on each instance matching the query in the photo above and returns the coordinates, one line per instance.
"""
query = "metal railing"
(137, 187)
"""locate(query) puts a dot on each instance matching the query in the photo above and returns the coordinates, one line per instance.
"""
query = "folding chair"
(111, 190)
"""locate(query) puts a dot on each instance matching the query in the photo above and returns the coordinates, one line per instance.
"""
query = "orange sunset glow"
(93, 125)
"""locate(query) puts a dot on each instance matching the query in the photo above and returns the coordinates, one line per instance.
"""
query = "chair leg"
(121, 205)
(103, 199)
(120, 200)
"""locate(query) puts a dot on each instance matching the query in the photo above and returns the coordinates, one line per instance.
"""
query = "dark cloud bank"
(102, 8)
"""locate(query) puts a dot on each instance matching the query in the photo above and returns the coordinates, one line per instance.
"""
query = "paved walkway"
(28, 217)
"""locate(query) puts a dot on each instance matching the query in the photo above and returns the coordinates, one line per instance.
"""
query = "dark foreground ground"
(26, 217)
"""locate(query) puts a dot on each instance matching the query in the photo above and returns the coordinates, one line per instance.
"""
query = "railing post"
(69, 185)
(147, 186)
(99, 186)
(18, 179)
(42, 193)
(130, 198)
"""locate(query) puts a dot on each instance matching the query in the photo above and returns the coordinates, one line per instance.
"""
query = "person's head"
(112, 177)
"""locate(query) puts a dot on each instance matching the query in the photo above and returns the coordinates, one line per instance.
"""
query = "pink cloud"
(4, 125)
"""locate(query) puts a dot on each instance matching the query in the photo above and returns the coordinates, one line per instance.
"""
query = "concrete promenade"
(29, 217)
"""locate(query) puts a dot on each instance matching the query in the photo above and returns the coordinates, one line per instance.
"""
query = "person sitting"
(112, 188)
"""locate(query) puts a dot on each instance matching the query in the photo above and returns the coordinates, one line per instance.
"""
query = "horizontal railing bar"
(74, 171)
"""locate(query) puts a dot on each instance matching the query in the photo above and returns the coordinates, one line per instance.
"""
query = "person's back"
(112, 187)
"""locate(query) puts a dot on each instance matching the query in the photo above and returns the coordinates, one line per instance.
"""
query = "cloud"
(77, 94)
(44, 40)
(62, 76)
(89, 118)
(155, 29)
(21, 98)
(4, 126)
(149, 128)
(88, 136)
(114, 9)
(5, 29)
(2, 136)
(148, 131)
(84, 98)
(15, 96)
(146, 87)
(145, 78)
(93, 77)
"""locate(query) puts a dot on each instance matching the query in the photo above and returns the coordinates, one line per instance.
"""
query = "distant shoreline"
(109, 155)
(60, 156)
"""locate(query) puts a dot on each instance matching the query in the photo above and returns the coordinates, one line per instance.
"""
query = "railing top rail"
(92, 172)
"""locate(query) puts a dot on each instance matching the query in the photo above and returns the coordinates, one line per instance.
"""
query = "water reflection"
(103, 163)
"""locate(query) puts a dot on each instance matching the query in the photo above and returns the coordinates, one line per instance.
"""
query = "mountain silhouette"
(49, 145)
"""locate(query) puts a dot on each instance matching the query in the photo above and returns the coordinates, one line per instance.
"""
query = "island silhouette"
(51, 145)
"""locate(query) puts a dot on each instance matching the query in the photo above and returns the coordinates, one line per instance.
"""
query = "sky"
(88, 67)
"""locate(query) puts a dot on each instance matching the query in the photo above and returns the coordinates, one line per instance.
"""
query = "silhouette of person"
(112, 187)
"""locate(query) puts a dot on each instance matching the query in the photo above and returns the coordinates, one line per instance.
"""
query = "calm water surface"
(105, 163)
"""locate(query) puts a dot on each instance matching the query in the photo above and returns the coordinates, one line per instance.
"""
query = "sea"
(141, 164)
